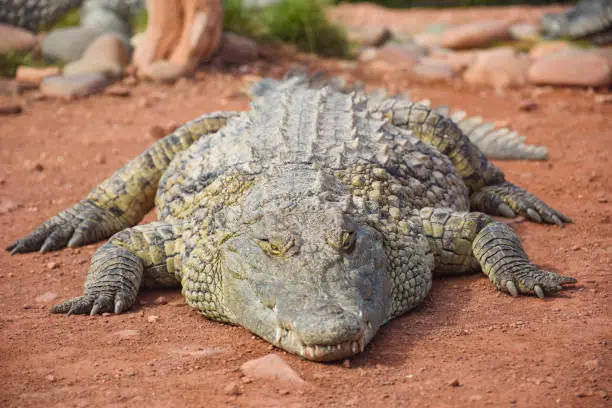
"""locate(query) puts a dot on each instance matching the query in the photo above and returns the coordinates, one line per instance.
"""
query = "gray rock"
(433, 70)
(236, 49)
(370, 36)
(68, 44)
(523, 31)
(104, 20)
(73, 86)
(107, 55)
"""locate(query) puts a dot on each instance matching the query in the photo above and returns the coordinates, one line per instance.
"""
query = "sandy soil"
(502, 351)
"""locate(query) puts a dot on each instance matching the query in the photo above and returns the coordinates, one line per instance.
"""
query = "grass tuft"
(11, 60)
(301, 22)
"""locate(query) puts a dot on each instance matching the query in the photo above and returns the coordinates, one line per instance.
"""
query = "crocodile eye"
(344, 241)
(348, 240)
(276, 247)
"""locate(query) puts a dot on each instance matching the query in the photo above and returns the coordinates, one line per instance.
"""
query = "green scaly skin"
(311, 220)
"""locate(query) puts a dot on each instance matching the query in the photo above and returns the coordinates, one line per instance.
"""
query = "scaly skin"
(311, 220)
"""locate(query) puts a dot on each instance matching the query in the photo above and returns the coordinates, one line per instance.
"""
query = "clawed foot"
(111, 285)
(508, 200)
(530, 280)
(82, 224)
(95, 304)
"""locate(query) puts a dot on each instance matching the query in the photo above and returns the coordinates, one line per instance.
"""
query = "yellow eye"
(343, 241)
(276, 247)
(348, 240)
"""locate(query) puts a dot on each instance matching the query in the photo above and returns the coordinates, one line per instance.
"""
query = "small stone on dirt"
(46, 297)
(7, 206)
(236, 49)
(118, 90)
(161, 300)
(232, 388)
(100, 158)
(528, 106)
(10, 109)
(454, 383)
(346, 363)
(591, 364)
(73, 86)
(126, 334)
(50, 378)
(152, 318)
(370, 36)
(157, 132)
(271, 366)
(34, 75)
(603, 99)
(52, 265)
(434, 71)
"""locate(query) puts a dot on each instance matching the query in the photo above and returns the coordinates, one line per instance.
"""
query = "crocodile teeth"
(279, 333)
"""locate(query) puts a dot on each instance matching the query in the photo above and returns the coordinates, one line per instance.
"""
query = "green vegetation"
(10, 61)
(454, 3)
(70, 19)
(139, 21)
(302, 22)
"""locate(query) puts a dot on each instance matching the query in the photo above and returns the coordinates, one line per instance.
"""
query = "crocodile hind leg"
(146, 255)
(121, 200)
(490, 192)
(463, 242)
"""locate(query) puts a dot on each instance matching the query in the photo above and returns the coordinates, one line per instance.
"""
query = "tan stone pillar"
(180, 34)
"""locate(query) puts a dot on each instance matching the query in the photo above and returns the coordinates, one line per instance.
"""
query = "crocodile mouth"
(290, 341)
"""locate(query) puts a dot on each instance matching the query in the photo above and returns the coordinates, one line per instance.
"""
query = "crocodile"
(33, 14)
(590, 20)
(311, 219)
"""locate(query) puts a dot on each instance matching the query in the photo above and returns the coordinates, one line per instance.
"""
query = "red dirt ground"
(503, 351)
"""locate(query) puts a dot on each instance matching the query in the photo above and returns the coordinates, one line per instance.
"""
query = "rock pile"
(485, 53)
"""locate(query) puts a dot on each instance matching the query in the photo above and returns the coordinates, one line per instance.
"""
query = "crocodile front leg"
(463, 242)
(146, 255)
(121, 200)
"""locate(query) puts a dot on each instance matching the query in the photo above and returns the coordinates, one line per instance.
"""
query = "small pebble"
(454, 383)
(12, 109)
(52, 265)
(100, 159)
(157, 132)
(232, 389)
(152, 318)
(161, 300)
(528, 106)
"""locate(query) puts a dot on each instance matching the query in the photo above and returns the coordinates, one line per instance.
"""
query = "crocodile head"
(303, 274)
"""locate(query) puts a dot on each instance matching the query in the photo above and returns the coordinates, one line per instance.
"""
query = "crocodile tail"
(495, 142)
